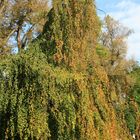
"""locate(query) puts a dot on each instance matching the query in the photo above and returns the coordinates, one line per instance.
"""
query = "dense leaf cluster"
(59, 88)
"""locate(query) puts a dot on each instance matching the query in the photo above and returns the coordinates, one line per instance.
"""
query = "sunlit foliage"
(60, 88)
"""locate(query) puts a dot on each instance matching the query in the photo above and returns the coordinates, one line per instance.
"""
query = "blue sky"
(128, 13)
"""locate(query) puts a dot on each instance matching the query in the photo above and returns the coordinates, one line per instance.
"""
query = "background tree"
(113, 38)
(4, 31)
(112, 51)
(113, 41)
(21, 21)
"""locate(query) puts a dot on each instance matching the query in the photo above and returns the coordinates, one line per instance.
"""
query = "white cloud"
(128, 13)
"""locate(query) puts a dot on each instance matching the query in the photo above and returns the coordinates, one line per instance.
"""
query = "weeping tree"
(23, 99)
(70, 33)
(46, 92)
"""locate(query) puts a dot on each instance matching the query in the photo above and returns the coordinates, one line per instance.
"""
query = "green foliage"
(39, 101)
(135, 92)
(103, 52)
(57, 89)
(70, 33)
(134, 102)
(130, 117)
(22, 96)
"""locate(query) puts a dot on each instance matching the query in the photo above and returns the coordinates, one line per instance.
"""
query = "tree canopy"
(70, 79)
